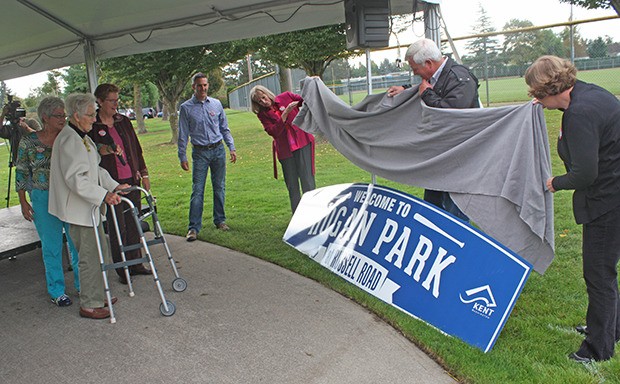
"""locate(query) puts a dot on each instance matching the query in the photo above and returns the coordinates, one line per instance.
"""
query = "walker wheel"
(171, 308)
(179, 284)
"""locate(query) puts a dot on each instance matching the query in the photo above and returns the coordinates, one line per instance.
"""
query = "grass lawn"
(539, 335)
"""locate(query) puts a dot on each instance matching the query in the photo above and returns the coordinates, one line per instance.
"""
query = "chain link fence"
(499, 83)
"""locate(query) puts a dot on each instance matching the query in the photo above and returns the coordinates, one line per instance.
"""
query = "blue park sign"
(413, 256)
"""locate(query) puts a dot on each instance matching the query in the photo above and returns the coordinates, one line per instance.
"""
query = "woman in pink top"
(121, 156)
(294, 148)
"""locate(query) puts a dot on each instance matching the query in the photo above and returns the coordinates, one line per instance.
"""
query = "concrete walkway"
(241, 320)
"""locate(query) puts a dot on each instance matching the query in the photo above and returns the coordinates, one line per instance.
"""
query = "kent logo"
(482, 299)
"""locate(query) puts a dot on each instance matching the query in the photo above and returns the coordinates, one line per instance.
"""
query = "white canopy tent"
(39, 35)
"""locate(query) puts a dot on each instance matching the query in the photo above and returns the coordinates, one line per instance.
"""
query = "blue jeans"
(203, 160)
(50, 228)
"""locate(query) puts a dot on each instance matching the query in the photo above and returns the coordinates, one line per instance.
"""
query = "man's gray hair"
(79, 103)
(48, 105)
(422, 50)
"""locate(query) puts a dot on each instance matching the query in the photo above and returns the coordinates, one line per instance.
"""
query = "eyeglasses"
(113, 101)
(91, 115)
(63, 116)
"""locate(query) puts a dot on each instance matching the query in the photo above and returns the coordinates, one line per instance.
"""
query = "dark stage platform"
(16, 234)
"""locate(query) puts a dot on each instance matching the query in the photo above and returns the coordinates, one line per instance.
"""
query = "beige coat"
(77, 183)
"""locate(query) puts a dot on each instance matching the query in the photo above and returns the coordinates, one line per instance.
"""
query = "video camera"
(12, 113)
(13, 110)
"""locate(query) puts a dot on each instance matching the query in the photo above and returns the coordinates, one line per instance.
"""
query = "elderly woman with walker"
(77, 183)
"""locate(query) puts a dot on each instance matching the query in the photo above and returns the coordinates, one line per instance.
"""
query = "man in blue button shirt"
(202, 120)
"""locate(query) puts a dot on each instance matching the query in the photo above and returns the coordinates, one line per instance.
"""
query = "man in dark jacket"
(445, 84)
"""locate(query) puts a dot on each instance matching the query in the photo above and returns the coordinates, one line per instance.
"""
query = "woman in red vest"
(294, 148)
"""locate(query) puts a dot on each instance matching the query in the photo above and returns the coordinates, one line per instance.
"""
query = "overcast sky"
(460, 16)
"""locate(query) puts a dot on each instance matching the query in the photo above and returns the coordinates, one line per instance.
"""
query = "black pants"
(444, 201)
(601, 252)
(126, 226)
(298, 169)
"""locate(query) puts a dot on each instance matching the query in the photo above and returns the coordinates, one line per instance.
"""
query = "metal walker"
(167, 308)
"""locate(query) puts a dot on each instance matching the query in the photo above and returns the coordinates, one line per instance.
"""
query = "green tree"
(484, 49)
(52, 86)
(519, 48)
(388, 66)
(374, 68)
(578, 42)
(171, 71)
(32, 101)
(549, 43)
(359, 70)
(237, 74)
(590, 4)
(340, 70)
(524, 47)
(123, 72)
(597, 48)
(311, 49)
(150, 95)
(217, 86)
(75, 79)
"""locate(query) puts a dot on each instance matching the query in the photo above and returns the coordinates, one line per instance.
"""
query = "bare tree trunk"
(137, 107)
(171, 92)
(285, 79)
(173, 119)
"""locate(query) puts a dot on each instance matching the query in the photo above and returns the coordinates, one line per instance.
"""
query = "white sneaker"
(62, 301)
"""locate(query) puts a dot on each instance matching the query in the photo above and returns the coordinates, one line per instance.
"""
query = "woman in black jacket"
(589, 146)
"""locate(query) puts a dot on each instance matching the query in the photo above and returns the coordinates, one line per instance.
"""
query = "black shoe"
(583, 329)
(122, 280)
(139, 270)
(580, 359)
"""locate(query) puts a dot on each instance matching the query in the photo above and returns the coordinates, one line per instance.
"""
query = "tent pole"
(431, 23)
(368, 72)
(373, 177)
(91, 64)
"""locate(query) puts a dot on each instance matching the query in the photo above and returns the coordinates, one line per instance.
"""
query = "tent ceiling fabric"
(39, 35)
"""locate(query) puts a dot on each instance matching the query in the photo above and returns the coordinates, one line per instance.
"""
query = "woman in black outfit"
(589, 146)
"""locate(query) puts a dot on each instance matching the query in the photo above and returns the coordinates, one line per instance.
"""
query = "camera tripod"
(14, 137)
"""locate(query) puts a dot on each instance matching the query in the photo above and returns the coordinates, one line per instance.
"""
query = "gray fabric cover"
(493, 161)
